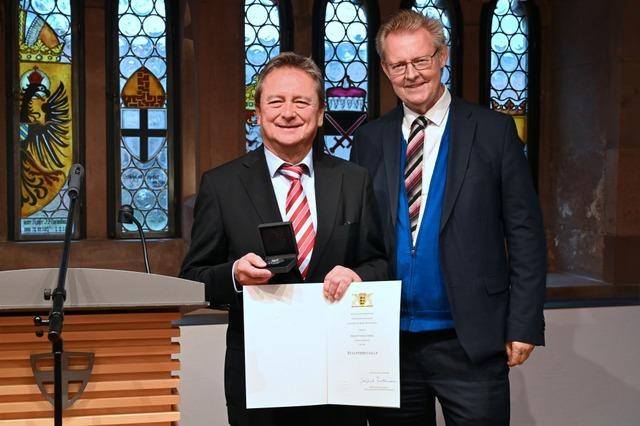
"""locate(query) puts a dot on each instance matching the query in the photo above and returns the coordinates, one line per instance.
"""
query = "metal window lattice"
(346, 73)
(144, 149)
(437, 9)
(261, 43)
(510, 62)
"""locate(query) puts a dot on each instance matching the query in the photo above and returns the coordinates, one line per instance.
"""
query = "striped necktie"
(413, 171)
(298, 213)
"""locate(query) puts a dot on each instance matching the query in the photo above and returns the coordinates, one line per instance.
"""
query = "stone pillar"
(593, 215)
(622, 237)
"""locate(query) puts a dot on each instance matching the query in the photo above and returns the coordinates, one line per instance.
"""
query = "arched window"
(509, 80)
(448, 13)
(345, 46)
(267, 29)
(143, 116)
(45, 121)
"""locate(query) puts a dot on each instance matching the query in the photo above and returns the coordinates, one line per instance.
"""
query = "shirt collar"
(274, 162)
(437, 114)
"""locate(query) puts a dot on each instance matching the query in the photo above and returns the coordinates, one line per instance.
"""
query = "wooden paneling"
(165, 256)
(115, 419)
(219, 68)
(4, 176)
(134, 378)
(94, 141)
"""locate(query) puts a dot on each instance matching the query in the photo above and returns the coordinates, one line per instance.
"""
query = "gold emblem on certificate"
(362, 300)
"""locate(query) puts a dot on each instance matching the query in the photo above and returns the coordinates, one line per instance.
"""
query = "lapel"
(328, 187)
(257, 182)
(391, 141)
(462, 133)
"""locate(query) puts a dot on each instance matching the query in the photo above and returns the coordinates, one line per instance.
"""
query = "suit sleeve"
(354, 154)
(207, 259)
(525, 243)
(372, 258)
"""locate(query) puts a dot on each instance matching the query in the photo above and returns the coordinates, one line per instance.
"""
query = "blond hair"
(409, 21)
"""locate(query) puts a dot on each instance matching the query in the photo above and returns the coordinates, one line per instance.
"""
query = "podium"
(125, 319)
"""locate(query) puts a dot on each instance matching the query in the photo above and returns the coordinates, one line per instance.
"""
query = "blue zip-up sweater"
(425, 305)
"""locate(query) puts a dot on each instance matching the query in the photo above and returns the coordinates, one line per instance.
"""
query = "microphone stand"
(125, 215)
(59, 295)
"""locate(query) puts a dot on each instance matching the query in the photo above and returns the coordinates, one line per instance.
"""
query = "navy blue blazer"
(492, 245)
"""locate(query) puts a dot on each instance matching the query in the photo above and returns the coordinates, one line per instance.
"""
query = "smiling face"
(289, 113)
(419, 90)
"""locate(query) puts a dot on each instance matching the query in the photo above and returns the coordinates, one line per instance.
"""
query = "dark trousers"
(434, 365)
(321, 415)
(239, 415)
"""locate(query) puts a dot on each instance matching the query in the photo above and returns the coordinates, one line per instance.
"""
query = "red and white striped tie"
(413, 171)
(298, 213)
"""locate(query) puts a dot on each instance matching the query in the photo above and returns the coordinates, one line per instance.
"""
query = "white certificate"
(301, 349)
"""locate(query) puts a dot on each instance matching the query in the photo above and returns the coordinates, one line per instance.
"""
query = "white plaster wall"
(201, 389)
(587, 375)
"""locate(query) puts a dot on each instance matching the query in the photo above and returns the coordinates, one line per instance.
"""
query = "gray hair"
(292, 60)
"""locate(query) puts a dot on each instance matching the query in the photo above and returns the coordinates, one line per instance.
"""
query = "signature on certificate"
(368, 380)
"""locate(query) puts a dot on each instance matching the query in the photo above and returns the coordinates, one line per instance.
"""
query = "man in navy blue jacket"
(461, 219)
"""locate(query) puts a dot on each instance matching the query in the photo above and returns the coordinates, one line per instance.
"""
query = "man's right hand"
(249, 270)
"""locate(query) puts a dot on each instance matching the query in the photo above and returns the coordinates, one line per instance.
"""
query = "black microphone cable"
(125, 215)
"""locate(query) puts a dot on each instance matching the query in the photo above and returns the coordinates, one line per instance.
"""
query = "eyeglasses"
(420, 64)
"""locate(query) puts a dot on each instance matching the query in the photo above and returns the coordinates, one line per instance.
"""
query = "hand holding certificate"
(301, 349)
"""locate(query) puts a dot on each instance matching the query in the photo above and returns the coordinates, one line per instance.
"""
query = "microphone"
(125, 215)
(74, 183)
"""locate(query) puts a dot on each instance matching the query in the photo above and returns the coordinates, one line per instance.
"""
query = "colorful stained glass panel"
(346, 73)
(45, 137)
(509, 62)
(144, 172)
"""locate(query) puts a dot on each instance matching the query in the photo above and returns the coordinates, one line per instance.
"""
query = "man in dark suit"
(462, 222)
(329, 202)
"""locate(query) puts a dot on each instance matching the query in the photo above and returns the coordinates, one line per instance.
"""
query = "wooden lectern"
(124, 318)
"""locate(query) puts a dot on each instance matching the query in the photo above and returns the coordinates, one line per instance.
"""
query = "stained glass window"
(44, 132)
(261, 43)
(346, 73)
(438, 9)
(510, 63)
(144, 155)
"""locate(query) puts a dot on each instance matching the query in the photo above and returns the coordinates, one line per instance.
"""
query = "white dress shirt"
(281, 187)
(437, 117)
(281, 184)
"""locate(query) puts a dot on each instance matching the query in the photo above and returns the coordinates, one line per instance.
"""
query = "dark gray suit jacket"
(238, 196)
(492, 244)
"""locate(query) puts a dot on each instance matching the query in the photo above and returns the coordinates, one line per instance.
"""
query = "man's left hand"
(518, 352)
(337, 282)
